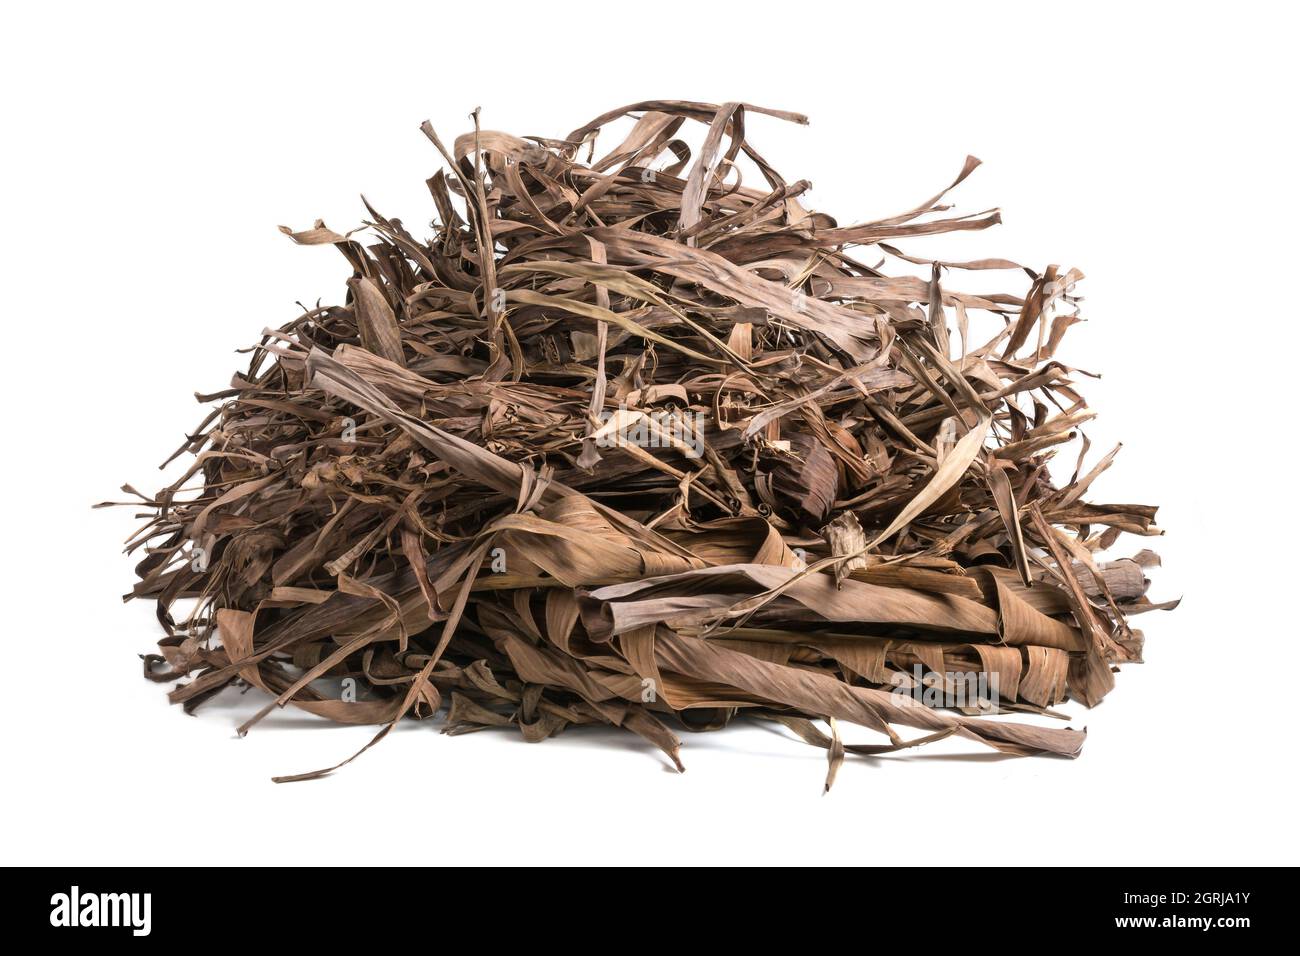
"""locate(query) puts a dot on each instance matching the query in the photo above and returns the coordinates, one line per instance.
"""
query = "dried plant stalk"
(630, 442)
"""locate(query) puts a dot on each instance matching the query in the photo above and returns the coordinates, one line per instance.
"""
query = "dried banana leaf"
(633, 440)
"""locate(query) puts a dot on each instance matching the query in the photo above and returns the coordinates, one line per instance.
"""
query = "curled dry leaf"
(632, 440)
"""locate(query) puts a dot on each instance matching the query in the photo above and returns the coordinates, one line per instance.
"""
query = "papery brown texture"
(632, 441)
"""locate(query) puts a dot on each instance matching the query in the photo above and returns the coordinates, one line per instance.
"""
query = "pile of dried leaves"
(630, 442)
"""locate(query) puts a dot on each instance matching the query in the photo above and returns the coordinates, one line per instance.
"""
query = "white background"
(150, 152)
